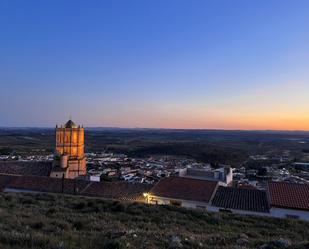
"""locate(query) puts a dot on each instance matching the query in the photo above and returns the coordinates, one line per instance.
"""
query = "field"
(55, 221)
(230, 147)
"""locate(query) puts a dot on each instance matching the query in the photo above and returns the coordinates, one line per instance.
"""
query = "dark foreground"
(55, 221)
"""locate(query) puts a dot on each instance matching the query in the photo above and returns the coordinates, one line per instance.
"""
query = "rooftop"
(241, 199)
(289, 195)
(117, 190)
(70, 124)
(47, 184)
(184, 189)
(109, 190)
(34, 168)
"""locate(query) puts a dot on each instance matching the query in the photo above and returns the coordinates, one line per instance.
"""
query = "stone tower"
(69, 161)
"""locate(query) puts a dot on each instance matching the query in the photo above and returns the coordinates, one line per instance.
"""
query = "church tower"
(69, 161)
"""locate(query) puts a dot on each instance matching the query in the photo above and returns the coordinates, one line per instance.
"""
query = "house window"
(201, 207)
(290, 216)
(175, 203)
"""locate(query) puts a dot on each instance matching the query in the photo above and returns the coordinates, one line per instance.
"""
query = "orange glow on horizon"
(228, 122)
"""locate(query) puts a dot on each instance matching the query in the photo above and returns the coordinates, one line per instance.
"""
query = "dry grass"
(62, 222)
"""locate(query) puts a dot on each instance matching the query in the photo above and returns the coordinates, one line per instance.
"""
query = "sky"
(203, 64)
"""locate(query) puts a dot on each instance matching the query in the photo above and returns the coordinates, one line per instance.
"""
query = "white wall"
(274, 212)
(198, 205)
(236, 211)
(15, 190)
(283, 212)
(94, 178)
(229, 177)
(184, 203)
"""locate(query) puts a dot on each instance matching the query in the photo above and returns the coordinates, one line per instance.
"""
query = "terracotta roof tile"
(109, 190)
(289, 195)
(26, 168)
(47, 184)
(184, 189)
(117, 190)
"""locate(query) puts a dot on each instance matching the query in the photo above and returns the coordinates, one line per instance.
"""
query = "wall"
(59, 174)
(283, 212)
(70, 141)
(229, 178)
(224, 178)
(76, 168)
(236, 211)
(184, 203)
(14, 190)
(274, 212)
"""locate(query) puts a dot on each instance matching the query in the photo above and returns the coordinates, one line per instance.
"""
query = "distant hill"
(214, 146)
(67, 222)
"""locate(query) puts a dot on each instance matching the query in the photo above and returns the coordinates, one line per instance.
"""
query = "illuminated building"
(69, 161)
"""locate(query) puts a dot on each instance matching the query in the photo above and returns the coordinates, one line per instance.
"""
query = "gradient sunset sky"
(219, 64)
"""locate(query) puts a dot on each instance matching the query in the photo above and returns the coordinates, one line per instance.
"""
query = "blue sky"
(227, 64)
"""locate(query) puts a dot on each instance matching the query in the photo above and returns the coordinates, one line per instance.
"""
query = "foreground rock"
(175, 242)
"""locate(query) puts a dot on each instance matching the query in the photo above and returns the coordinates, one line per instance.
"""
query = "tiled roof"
(184, 189)
(109, 190)
(241, 199)
(117, 190)
(47, 184)
(289, 195)
(5, 180)
(25, 168)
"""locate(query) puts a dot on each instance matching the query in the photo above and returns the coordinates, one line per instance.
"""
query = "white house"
(182, 192)
(223, 175)
(281, 199)
(289, 200)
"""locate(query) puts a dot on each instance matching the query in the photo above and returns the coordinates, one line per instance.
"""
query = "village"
(159, 180)
(149, 170)
(168, 124)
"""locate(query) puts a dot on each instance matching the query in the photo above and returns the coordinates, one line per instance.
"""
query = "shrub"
(27, 201)
(51, 211)
(78, 225)
(37, 225)
(90, 203)
(117, 207)
(113, 244)
(8, 198)
(80, 206)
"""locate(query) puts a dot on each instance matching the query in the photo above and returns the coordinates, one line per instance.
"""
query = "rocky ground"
(62, 222)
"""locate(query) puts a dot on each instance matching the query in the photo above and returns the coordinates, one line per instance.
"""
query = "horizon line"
(152, 128)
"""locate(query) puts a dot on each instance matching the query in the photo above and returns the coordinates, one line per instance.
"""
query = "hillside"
(56, 221)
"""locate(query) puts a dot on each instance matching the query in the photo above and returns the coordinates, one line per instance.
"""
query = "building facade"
(224, 174)
(182, 192)
(289, 213)
(69, 161)
(289, 200)
(280, 199)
